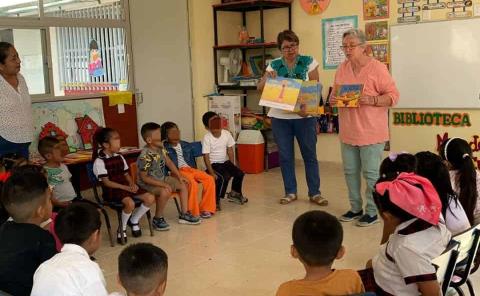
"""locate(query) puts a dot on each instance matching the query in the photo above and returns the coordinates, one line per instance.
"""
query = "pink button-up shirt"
(366, 125)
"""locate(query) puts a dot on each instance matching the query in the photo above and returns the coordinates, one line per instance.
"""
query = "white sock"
(137, 214)
(125, 218)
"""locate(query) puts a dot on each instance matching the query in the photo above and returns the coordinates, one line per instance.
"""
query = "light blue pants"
(363, 160)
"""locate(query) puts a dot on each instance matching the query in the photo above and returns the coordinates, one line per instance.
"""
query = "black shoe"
(367, 220)
(135, 233)
(219, 207)
(350, 216)
(119, 237)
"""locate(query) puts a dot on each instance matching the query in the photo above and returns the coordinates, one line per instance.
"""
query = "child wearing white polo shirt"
(403, 266)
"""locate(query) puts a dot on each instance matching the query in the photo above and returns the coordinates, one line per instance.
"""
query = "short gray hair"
(356, 33)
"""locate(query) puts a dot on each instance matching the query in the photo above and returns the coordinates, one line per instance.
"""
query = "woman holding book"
(287, 125)
(363, 129)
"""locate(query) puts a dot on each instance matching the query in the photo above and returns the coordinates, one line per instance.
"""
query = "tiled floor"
(244, 250)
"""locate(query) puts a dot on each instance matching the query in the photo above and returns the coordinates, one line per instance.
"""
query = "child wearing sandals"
(112, 171)
(403, 266)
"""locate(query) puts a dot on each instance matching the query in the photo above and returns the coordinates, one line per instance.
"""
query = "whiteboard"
(437, 64)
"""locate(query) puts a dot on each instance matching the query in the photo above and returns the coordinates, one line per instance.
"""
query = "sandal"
(319, 200)
(291, 197)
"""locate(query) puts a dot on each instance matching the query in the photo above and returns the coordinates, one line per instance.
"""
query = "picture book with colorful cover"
(281, 93)
(310, 93)
(348, 95)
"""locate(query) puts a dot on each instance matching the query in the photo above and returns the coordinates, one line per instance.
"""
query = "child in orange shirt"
(181, 153)
(317, 242)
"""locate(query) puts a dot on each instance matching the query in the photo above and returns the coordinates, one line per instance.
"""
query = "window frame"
(43, 22)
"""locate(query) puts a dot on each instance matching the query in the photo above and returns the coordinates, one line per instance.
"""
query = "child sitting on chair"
(317, 242)
(152, 164)
(72, 272)
(180, 152)
(217, 149)
(142, 270)
(58, 174)
(117, 184)
(25, 245)
(403, 266)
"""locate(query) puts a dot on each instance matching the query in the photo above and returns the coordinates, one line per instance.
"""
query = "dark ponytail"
(101, 136)
(431, 166)
(459, 154)
(164, 129)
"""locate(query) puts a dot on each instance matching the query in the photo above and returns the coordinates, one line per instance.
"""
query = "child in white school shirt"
(403, 266)
(72, 272)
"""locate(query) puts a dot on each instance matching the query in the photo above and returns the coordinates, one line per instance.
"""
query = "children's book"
(281, 93)
(348, 95)
(288, 94)
(310, 93)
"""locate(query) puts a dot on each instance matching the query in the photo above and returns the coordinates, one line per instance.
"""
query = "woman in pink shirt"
(363, 130)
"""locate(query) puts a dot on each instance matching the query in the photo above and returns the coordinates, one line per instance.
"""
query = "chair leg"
(470, 288)
(109, 227)
(149, 218)
(177, 205)
(459, 291)
(122, 239)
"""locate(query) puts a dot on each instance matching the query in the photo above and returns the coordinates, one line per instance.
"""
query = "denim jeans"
(7, 147)
(304, 129)
(359, 160)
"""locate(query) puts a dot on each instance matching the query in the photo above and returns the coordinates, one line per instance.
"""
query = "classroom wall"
(309, 30)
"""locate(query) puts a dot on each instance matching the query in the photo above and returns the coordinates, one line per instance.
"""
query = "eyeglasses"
(289, 48)
(351, 46)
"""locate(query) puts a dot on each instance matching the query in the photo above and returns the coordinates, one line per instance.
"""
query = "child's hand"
(133, 188)
(214, 176)
(184, 180)
(167, 188)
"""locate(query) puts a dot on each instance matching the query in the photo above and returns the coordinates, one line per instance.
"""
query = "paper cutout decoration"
(95, 66)
(119, 98)
(313, 7)
(86, 129)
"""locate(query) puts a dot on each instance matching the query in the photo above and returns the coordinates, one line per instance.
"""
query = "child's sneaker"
(367, 220)
(160, 224)
(188, 219)
(236, 198)
(205, 215)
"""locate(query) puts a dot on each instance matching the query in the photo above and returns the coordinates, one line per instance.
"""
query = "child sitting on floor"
(463, 175)
(217, 149)
(142, 270)
(24, 244)
(317, 242)
(180, 152)
(72, 272)
(58, 174)
(152, 164)
(403, 266)
(117, 184)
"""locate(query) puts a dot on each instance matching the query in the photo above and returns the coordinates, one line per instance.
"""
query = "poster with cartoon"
(379, 51)
(95, 65)
(376, 9)
(376, 31)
